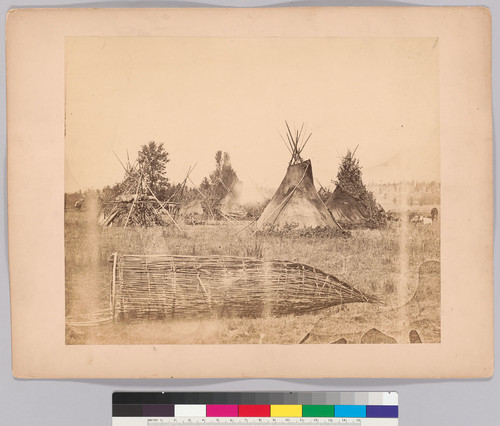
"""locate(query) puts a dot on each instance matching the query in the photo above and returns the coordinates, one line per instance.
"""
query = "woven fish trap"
(187, 287)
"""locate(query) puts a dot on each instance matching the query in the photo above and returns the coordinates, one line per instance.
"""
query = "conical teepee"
(296, 201)
(346, 208)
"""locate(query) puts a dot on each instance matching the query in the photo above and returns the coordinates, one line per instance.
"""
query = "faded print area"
(252, 190)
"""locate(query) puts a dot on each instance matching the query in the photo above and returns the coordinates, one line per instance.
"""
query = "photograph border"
(37, 292)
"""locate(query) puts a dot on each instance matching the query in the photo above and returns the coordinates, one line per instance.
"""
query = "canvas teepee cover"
(346, 208)
(296, 201)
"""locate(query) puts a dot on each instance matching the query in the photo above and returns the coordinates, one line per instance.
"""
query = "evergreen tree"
(350, 179)
(349, 176)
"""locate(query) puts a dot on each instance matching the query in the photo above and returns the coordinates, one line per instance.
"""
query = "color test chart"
(255, 408)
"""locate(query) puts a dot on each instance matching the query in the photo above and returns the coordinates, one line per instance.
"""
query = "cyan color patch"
(350, 411)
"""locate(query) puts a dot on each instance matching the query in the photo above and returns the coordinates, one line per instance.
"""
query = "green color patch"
(318, 411)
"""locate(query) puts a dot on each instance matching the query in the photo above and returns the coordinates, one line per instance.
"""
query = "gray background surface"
(88, 402)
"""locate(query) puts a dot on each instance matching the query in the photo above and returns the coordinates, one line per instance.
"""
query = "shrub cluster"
(293, 230)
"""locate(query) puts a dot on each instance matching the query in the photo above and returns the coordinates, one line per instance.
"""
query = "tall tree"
(153, 159)
(349, 176)
(350, 179)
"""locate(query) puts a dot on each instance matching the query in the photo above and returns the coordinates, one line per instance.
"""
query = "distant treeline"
(417, 193)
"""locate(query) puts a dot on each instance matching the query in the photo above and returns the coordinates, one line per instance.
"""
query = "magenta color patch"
(222, 410)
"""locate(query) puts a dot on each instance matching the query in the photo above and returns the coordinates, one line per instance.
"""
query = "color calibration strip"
(200, 410)
(301, 408)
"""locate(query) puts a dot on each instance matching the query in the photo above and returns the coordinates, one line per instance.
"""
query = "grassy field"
(386, 263)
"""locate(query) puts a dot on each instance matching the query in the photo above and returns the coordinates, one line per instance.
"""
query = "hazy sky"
(198, 95)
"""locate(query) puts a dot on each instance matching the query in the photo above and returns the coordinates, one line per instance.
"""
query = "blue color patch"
(382, 411)
(350, 411)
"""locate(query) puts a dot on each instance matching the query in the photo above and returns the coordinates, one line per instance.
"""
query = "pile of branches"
(166, 286)
(293, 230)
(133, 210)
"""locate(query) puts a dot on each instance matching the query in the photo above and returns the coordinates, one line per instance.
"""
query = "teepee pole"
(286, 145)
(300, 134)
(163, 208)
(133, 201)
(305, 142)
(287, 198)
(118, 158)
(203, 196)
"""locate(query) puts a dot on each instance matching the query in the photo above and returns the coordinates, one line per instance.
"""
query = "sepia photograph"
(252, 190)
(234, 192)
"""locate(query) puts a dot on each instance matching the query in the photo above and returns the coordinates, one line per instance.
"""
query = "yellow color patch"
(286, 410)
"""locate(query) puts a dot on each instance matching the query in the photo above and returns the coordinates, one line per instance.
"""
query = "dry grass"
(371, 260)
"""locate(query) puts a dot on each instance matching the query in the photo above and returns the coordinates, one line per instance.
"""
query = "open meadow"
(398, 264)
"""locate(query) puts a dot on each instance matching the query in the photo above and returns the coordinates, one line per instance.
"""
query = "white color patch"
(188, 410)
